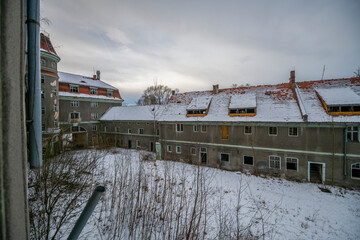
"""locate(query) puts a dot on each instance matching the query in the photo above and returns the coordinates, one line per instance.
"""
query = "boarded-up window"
(225, 132)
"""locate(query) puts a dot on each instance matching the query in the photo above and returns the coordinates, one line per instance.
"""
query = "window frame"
(42, 79)
(179, 127)
(73, 87)
(169, 148)
(353, 133)
(246, 163)
(191, 151)
(74, 103)
(357, 163)
(55, 108)
(42, 94)
(140, 131)
(94, 104)
(94, 127)
(297, 164)
(110, 93)
(117, 129)
(129, 130)
(228, 156)
(246, 133)
(274, 160)
(77, 113)
(137, 142)
(202, 128)
(271, 134)
(196, 128)
(43, 110)
(177, 149)
(93, 91)
(291, 135)
(94, 116)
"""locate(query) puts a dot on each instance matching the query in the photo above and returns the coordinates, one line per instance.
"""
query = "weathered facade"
(305, 131)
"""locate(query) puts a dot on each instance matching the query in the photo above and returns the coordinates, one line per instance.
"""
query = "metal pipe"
(86, 213)
(34, 90)
(345, 150)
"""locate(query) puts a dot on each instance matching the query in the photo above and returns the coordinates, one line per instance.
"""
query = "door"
(129, 144)
(316, 172)
(203, 155)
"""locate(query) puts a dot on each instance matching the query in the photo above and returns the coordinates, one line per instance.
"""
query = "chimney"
(292, 77)
(94, 77)
(173, 92)
(216, 89)
(98, 75)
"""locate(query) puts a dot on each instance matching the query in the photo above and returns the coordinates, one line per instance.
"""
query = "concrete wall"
(14, 221)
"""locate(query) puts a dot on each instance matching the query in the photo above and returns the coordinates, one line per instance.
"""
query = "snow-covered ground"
(277, 208)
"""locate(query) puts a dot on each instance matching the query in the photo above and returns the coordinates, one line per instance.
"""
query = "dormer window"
(242, 105)
(110, 93)
(93, 91)
(74, 88)
(199, 106)
(339, 101)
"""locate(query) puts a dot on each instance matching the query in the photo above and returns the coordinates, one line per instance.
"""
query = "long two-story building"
(306, 131)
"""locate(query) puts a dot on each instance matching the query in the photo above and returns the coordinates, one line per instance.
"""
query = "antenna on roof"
(322, 77)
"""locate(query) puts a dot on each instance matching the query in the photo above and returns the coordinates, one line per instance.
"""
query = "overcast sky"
(191, 45)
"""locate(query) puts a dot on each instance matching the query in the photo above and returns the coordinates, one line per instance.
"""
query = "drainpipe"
(86, 213)
(34, 90)
(345, 150)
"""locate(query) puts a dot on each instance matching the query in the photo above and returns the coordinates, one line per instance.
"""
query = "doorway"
(151, 146)
(129, 144)
(203, 155)
(316, 172)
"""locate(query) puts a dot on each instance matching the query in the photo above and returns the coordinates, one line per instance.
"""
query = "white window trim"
(245, 133)
(244, 160)
(169, 148)
(97, 104)
(129, 130)
(197, 128)
(351, 171)
(279, 160)
(273, 135)
(297, 132)
(96, 90)
(176, 148)
(75, 118)
(94, 116)
(226, 154)
(74, 101)
(182, 128)
(297, 164)
(73, 85)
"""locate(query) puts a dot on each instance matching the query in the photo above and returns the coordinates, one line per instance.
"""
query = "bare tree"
(156, 94)
(357, 72)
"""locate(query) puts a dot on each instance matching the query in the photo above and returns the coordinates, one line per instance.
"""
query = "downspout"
(34, 87)
(345, 150)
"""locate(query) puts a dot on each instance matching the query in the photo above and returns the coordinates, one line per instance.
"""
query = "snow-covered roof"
(135, 113)
(339, 96)
(243, 101)
(46, 45)
(82, 95)
(199, 103)
(82, 80)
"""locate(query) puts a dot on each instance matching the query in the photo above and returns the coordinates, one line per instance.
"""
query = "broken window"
(353, 134)
(247, 130)
(272, 131)
(203, 128)
(291, 163)
(293, 131)
(275, 162)
(248, 160)
(178, 149)
(179, 127)
(355, 170)
(193, 151)
(169, 148)
(224, 157)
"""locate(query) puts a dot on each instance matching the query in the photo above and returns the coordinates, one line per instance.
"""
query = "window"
(94, 116)
(110, 93)
(169, 148)
(355, 170)
(129, 130)
(94, 127)
(225, 157)
(179, 127)
(248, 160)
(196, 112)
(137, 143)
(105, 129)
(93, 91)
(203, 128)
(272, 131)
(158, 132)
(118, 129)
(140, 131)
(293, 131)
(53, 65)
(178, 149)
(274, 162)
(42, 78)
(43, 127)
(74, 116)
(247, 130)
(42, 94)
(195, 128)
(224, 132)
(353, 134)
(291, 164)
(242, 110)
(42, 110)
(54, 92)
(74, 103)
(43, 62)
(193, 151)
(55, 123)
(74, 88)
(55, 107)
(94, 104)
